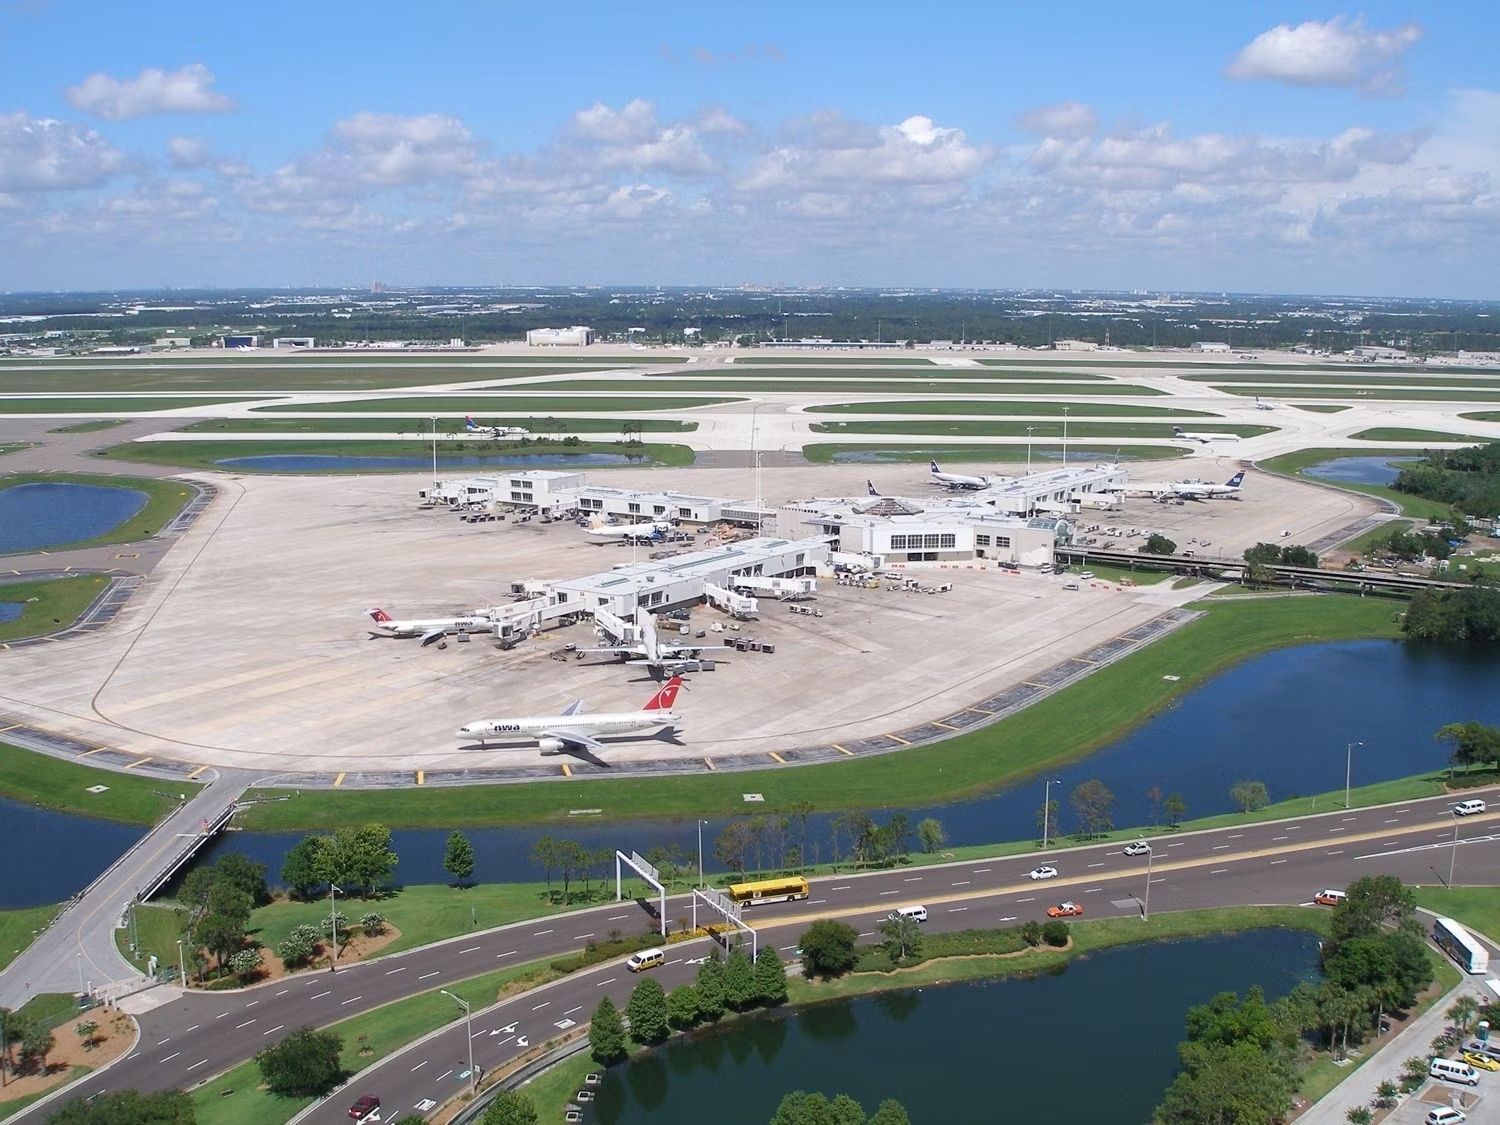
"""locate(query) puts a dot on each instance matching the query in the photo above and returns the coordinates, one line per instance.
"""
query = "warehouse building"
(577, 336)
(1211, 347)
(904, 530)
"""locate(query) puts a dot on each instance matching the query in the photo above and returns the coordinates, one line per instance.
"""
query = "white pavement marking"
(1275, 838)
(1218, 870)
(473, 949)
(419, 1066)
(165, 1041)
(274, 1030)
(1219, 847)
(351, 1000)
(960, 883)
(980, 870)
(1335, 830)
(1339, 852)
(889, 892)
(602, 983)
(539, 1007)
(252, 1003)
(1096, 865)
(440, 1077)
(957, 909)
(912, 879)
(193, 1028)
(507, 953)
(283, 992)
(839, 888)
(221, 1015)
(172, 1056)
(247, 1023)
(197, 1064)
(319, 996)
(1032, 899)
(424, 976)
(570, 1011)
(1009, 918)
(393, 972)
(815, 901)
(1091, 890)
(541, 933)
(616, 917)
(580, 937)
(1347, 819)
(1236, 835)
(1274, 862)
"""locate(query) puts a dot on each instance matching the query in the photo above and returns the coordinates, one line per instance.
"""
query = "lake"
(11, 611)
(51, 856)
(48, 514)
(1359, 470)
(1006, 1050)
(338, 463)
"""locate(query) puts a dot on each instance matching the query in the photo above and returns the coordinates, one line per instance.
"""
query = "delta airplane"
(628, 532)
(573, 732)
(1203, 438)
(954, 480)
(429, 629)
(474, 427)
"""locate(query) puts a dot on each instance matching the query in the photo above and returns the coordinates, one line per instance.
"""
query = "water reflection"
(1359, 470)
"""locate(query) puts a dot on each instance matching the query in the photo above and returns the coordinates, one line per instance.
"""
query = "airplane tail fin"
(380, 616)
(1236, 480)
(1176, 431)
(665, 696)
(870, 488)
(469, 423)
(932, 467)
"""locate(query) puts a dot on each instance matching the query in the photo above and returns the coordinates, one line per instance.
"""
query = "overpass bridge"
(1234, 570)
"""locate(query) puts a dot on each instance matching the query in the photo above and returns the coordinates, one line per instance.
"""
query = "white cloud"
(1336, 52)
(631, 124)
(39, 154)
(189, 90)
(189, 152)
(837, 155)
(1061, 119)
(632, 137)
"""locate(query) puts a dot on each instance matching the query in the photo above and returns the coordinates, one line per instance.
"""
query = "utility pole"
(1028, 449)
(1348, 767)
(1453, 857)
(1047, 808)
(333, 928)
(468, 1035)
(181, 964)
(701, 823)
(1146, 905)
(1065, 436)
(434, 452)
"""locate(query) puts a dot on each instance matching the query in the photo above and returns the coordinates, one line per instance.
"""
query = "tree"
(245, 963)
(606, 1033)
(572, 861)
(1175, 808)
(1265, 553)
(1158, 544)
(901, 938)
(244, 875)
(828, 948)
(893, 839)
(1046, 818)
(221, 929)
(1031, 932)
(511, 1107)
(647, 1012)
(369, 856)
(930, 834)
(710, 986)
(1220, 1082)
(1055, 933)
(305, 1064)
(303, 868)
(1298, 556)
(458, 856)
(682, 1006)
(544, 855)
(770, 977)
(1370, 903)
(802, 1108)
(296, 949)
(739, 982)
(127, 1107)
(732, 844)
(1472, 744)
(1154, 798)
(891, 1112)
(1249, 795)
(1092, 803)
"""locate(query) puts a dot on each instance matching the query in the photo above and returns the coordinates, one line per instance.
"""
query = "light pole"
(468, 1035)
(80, 975)
(1028, 449)
(333, 927)
(1146, 905)
(434, 451)
(1047, 808)
(1348, 767)
(1065, 438)
(1453, 857)
(701, 823)
(181, 964)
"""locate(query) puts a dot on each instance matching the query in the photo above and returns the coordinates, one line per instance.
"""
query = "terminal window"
(1002, 540)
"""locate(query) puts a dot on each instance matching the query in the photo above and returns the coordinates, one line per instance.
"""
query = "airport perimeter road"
(1280, 862)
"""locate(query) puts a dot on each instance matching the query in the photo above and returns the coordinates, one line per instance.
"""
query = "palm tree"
(1462, 1013)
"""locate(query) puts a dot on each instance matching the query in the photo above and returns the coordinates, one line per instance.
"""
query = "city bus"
(1457, 943)
(769, 890)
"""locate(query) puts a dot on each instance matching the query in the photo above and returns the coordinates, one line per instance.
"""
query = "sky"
(1165, 146)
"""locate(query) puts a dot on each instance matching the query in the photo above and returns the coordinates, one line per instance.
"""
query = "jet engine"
(552, 745)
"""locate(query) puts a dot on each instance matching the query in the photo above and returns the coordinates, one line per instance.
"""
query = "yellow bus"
(769, 890)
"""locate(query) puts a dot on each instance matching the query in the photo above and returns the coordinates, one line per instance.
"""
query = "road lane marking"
(1096, 865)
(602, 983)
(274, 1030)
(981, 871)
(475, 948)
(1219, 847)
(195, 1027)
(1392, 820)
(1339, 852)
(1032, 899)
(1275, 838)
(844, 888)
(445, 1074)
(351, 1000)
(1292, 827)
(541, 933)
(247, 1023)
(165, 1041)
(1218, 870)
(912, 879)
(1009, 918)
(570, 1011)
(890, 893)
(1178, 844)
(580, 937)
(616, 917)
(393, 972)
(1335, 830)
(197, 1064)
(507, 953)
(540, 1006)
(419, 1066)
(252, 1003)
(319, 996)
(221, 1015)
(815, 901)
(1274, 862)
(960, 883)
(424, 976)
(1235, 835)
(1091, 890)
(172, 1056)
(283, 992)
(1347, 819)
(956, 909)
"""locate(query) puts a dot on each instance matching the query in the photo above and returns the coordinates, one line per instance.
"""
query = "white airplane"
(1264, 405)
(870, 488)
(430, 629)
(658, 656)
(474, 427)
(1203, 438)
(1186, 489)
(628, 532)
(954, 480)
(573, 732)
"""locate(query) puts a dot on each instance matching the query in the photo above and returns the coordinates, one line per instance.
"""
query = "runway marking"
(351, 1000)
(471, 949)
(841, 750)
(200, 770)
(567, 769)
(338, 780)
(777, 757)
(247, 1023)
(274, 1030)
(424, 976)
(137, 762)
(172, 1056)
(709, 762)
(421, 777)
(898, 738)
(95, 750)
(197, 1064)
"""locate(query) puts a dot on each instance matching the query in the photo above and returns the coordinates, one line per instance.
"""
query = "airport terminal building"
(903, 530)
(551, 489)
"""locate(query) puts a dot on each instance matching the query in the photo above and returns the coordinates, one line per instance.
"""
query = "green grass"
(120, 380)
(52, 1008)
(1063, 727)
(9, 1109)
(1293, 464)
(1019, 409)
(49, 783)
(829, 361)
(415, 427)
(1483, 416)
(1319, 407)
(208, 454)
(101, 405)
(13, 447)
(1340, 378)
(164, 500)
(456, 406)
(1117, 574)
(833, 384)
(18, 927)
(157, 928)
(1043, 430)
(927, 372)
(88, 427)
(1376, 394)
(824, 453)
(1396, 433)
(1478, 907)
(58, 602)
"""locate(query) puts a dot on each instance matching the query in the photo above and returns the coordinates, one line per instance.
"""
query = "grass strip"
(1396, 433)
(165, 499)
(88, 427)
(209, 454)
(1378, 394)
(1018, 409)
(846, 452)
(1476, 907)
(414, 428)
(18, 928)
(51, 783)
(101, 406)
(451, 405)
(1042, 430)
(48, 606)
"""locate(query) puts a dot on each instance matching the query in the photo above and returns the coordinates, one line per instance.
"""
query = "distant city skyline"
(1275, 148)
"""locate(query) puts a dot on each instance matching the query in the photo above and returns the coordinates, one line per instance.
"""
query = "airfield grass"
(826, 453)
(102, 405)
(836, 383)
(1018, 429)
(1483, 416)
(208, 454)
(923, 372)
(58, 603)
(1396, 433)
(415, 427)
(1319, 407)
(1340, 378)
(157, 928)
(1118, 574)
(1375, 393)
(1293, 464)
(88, 427)
(165, 499)
(18, 927)
(51, 783)
(1476, 907)
(459, 405)
(992, 406)
(117, 382)
(832, 361)
(1063, 727)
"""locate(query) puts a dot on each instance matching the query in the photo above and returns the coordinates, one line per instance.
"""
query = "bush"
(595, 952)
(1031, 932)
(1055, 933)
(245, 963)
(828, 948)
(1359, 1115)
(306, 1064)
(372, 924)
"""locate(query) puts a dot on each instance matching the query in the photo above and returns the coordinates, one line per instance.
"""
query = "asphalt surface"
(190, 1039)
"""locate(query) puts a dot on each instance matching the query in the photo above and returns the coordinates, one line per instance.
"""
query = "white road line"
(1400, 811)
(1291, 827)
(868, 933)
(419, 1066)
(570, 1011)
(252, 1003)
(351, 1000)
(580, 937)
(815, 901)
(1096, 865)
(1275, 838)
(980, 871)
(838, 888)
(602, 983)
(424, 976)
(172, 1056)
(1031, 899)
(960, 883)
(274, 1030)
(1091, 890)
(1274, 862)
(1390, 843)
(1392, 820)
(193, 1028)
(445, 1074)
(616, 917)
(676, 962)
(956, 909)
(1178, 844)
(165, 1041)
(1347, 819)
(393, 972)
(283, 992)
(319, 996)
(912, 879)
(1339, 852)
(197, 1064)
(247, 1023)
(1219, 847)
(890, 892)
(507, 953)
(1335, 830)
(221, 1015)
(541, 933)
(1218, 870)
(1009, 918)
(475, 948)
(1235, 835)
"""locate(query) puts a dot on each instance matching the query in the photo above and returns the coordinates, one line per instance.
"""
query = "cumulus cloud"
(39, 154)
(835, 154)
(1336, 52)
(632, 137)
(189, 90)
(1061, 119)
(189, 152)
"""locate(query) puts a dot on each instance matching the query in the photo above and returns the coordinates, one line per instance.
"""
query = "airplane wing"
(573, 708)
(432, 636)
(573, 739)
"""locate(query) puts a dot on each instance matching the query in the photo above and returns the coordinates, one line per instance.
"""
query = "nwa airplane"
(430, 629)
(628, 532)
(1203, 438)
(474, 427)
(573, 732)
(954, 480)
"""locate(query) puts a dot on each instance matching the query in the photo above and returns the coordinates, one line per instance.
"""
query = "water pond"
(1358, 470)
(49, 514)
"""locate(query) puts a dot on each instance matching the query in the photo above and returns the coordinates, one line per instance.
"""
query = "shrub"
(1055, 933)
(372, 924)
(1031, 932)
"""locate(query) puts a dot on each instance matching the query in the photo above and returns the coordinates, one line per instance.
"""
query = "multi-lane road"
(195, 1037)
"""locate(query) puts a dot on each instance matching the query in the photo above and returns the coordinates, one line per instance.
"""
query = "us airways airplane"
(429, 629)
(1203, 438)
(624, 533)
(1188, 489)
(573, 732)
(954, 480)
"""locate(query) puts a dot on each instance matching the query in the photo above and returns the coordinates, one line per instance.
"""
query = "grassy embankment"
(50, 783)
(209, 376)
(1008, 408)
(1063, 727)
(49, 606)
(452, 406)
(1396, 433)
(1319, 407)
(825, 453)
(1483, 416)
(101, 406)
(1477, 907)
(413, 427)
(18, 928)
(1374, 393)
(208, 454)
(1040, 430)
(1293, 464)
(88, 427)
(843, 383)
(945, 374)
(164, 500)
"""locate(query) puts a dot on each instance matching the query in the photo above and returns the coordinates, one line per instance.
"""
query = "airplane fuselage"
(539, 727)
(469, 624)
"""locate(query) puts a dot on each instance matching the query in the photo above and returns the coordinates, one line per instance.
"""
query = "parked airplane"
(1203, 438)
(1187, 489)
(573, 732)
(870, 488)
(474, 427)
(1264, 405)
(954, 480)
(626, 532)
(659, 657)
(430, 629)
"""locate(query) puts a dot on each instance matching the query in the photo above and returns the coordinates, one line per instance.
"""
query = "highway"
(1285, 862)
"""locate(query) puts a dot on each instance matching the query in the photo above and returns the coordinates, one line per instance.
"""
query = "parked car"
(367, 1104)
(1064, 910)
(1138, 847)
(1482, 1061)
(1445, 1115)
(1042, 873)
(1329, 897)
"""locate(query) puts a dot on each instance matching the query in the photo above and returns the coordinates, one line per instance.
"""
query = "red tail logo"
(380, 616)
(666, 696)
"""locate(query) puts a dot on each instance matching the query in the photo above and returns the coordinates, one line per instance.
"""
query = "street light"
(1453, 857)
(1028, 449)
(701, 823)
(1348, 766)
(468, 1036)
(1065, 436)
(181, 964)
(1146, 905)
(1047, 808)
(434, 451)
(333, 927)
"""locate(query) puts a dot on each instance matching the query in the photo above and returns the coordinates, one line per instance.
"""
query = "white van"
(1071, 586)
(646, 959)
(1453, 1071)
(1470, 807)
(915, 913)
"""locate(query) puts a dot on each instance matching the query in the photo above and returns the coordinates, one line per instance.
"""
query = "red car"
(367, 1104)
(1064, 910)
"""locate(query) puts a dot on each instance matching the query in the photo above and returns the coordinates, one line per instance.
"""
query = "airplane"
(573, 732)
(659, 657)
(870, 488)
(1203, 438)
(954, 480)
(474, 427)
(1264, 405)
(430, 629)
(628, 532)
(1188, 489)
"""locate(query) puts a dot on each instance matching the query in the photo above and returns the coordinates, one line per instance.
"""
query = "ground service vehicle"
(769, 890)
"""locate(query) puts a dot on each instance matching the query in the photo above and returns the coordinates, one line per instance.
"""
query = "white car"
(1445, 1116)
(1042, 873)
(1469, 807)
(1140, 847)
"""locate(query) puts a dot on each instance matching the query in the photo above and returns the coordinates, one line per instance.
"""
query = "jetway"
(785, 589)
(739, 606)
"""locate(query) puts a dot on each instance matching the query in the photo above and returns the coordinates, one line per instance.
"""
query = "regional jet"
(474, 427)
(662, 658)
(628, 532)
(954, 480)
(430, 629)
(1203, 438)
(1264, 405)
(573, 732)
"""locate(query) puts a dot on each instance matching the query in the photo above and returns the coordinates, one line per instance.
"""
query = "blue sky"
(1261, 147)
